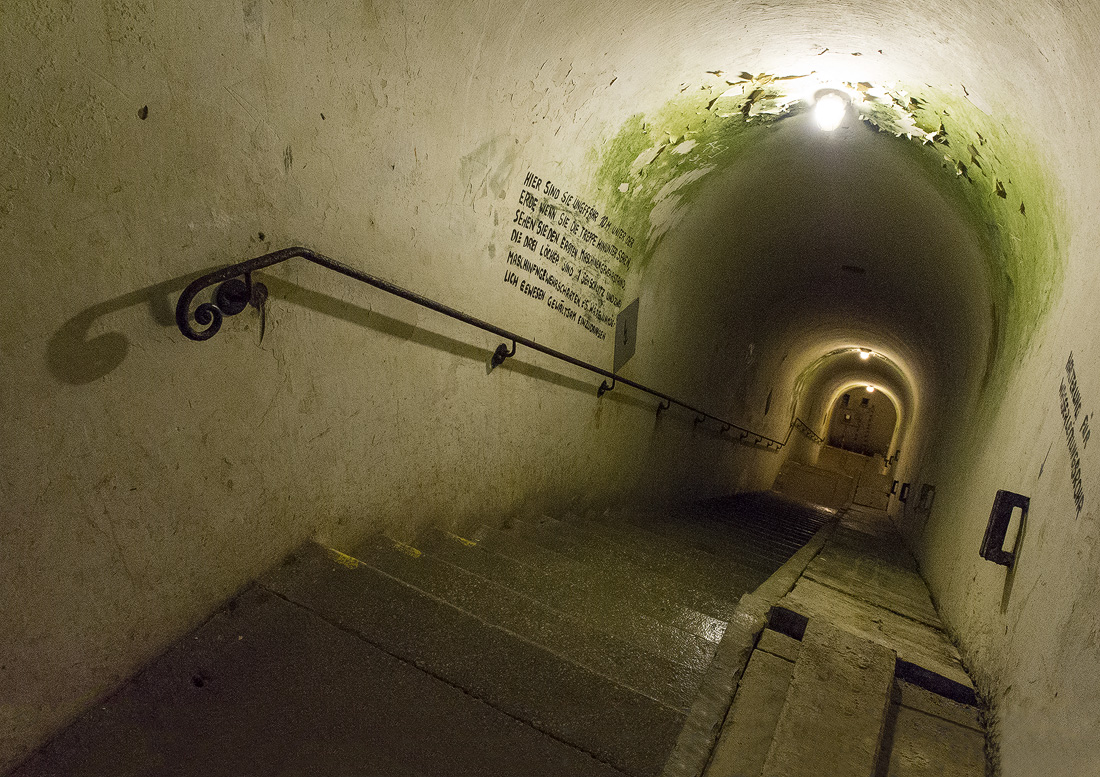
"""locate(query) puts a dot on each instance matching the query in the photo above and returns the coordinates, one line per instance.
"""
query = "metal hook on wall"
(502, 353)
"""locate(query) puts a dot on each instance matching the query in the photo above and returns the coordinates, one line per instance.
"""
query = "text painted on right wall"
(1069, 395)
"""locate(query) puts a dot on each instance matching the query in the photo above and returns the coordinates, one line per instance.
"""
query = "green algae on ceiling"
(656, 164)
(997, 177)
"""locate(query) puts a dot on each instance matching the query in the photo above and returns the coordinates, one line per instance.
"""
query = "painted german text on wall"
(564, 254)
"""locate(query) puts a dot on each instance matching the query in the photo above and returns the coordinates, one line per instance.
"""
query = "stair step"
(924, 734)
(632, 587)
(729, 540)
(669, 638)
(613, 527)
(577, 637)
(929, 736)
(763, 521)
(868, 571)
(618, 726)
(693, 531)
(748, 553)
(909, 695)
(768, 508)
(835, 711)
(269, 688)
(686, 581)
(692, 589)
(749, 727)
(915, 643)
(760, 517)
(664, 557)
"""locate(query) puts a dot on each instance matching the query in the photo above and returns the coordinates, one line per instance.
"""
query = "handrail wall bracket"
(502, 353)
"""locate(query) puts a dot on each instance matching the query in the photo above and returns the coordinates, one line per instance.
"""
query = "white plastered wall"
(148, 477)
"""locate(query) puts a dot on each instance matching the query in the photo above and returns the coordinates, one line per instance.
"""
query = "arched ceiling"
(926, 228)
(768, 242)
(810, 237)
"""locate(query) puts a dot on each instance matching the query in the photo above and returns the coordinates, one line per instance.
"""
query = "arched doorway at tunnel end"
(863, 421)
(862, 402)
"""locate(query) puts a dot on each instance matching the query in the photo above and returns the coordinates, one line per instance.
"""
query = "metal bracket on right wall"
(999, 518)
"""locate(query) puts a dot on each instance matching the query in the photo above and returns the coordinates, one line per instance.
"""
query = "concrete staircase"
(718, 640)
(546, 647)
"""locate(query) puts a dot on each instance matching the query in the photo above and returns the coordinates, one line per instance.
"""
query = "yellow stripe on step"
(408, 550)
(344, 560)
(463, 540)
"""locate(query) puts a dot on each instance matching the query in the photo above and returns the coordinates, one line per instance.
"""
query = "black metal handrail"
(233, 295)
(803, 427)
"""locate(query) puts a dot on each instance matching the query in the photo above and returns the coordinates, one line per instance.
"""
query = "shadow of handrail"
(75, 359)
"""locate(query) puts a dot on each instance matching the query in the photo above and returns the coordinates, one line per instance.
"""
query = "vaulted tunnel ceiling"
(810, 237)
(793, 241)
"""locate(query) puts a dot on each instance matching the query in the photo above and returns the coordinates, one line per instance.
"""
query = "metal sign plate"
(626, 334)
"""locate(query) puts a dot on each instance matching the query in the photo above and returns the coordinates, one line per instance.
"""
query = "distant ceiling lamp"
(865, 353)
(829, 110)
(870, 389)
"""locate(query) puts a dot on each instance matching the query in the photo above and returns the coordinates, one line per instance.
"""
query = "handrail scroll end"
(233, 294)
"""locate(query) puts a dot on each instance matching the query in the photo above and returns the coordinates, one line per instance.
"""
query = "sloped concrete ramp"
(855, 675)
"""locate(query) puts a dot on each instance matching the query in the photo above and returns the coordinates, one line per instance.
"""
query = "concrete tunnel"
(662, 152)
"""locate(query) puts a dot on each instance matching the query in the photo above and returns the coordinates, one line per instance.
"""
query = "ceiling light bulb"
(864, 354)
(830, 110)
(870, 389)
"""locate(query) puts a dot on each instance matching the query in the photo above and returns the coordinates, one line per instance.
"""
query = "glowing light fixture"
(865, 353)
(870, 389)
(829, 111)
